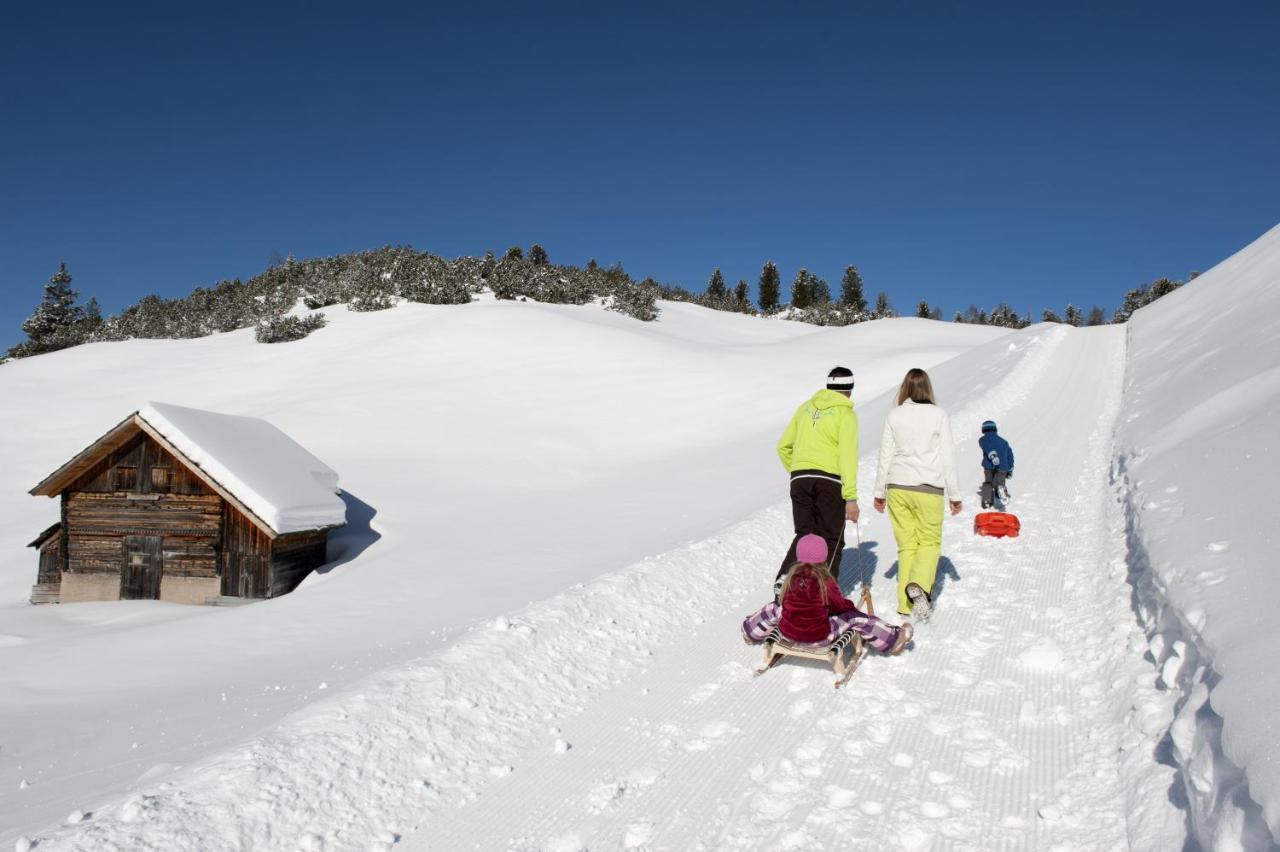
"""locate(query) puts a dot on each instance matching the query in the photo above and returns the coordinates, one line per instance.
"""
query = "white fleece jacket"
(916, 449)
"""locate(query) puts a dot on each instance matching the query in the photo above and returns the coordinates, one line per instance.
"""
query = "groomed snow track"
(623, 714)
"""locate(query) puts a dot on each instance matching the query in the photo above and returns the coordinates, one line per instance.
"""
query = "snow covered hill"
(492, 454)
(1199, 453)
(538, 649)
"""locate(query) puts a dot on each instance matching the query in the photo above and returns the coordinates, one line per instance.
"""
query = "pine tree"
(882, 309)
(819, 291)
(1096, 316)
(715, 286)
(1073, 317)
(770, 287)
(92, 321)
(801, 290)
(514, 253)
(742, 296)
(959, 317)
(922, 309)
(538, 255)
(1049, 316)
(851, 295)
(56, 312)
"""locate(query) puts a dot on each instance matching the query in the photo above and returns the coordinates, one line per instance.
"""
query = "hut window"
(160, 477)
(126, 478)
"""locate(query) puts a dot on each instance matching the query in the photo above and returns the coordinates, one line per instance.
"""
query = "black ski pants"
(817, 506)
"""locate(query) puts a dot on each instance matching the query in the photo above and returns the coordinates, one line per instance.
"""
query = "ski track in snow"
(623, 714)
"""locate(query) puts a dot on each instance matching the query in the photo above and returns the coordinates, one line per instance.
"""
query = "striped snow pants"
(876, 632)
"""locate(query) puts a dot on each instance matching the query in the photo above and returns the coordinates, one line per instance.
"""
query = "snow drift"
(1198, 452)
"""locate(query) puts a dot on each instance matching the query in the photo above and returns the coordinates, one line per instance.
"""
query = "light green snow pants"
(917, 527)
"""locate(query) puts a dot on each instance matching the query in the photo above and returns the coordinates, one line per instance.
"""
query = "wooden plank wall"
(246, 556)
(295, 556)
(50, 561)
(141, 489)
(140, 466)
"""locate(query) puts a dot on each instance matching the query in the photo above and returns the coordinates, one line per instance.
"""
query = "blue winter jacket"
(996, 452)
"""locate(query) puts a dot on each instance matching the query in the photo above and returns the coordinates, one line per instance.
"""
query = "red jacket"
(804, 615)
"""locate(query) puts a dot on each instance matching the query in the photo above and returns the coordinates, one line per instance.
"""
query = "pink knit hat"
(812, 549)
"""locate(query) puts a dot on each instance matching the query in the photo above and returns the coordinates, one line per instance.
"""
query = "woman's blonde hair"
(916, 387)
(819, 571)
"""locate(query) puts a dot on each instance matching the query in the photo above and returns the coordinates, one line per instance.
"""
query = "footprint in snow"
(801, 708)
(703, 692)
(934, 810)
(606, 795)
(639, 834)
(839, 798)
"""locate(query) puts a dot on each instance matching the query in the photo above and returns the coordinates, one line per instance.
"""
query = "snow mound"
(275, 477)
(1197, 453)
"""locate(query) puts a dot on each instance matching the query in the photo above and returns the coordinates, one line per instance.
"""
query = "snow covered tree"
(769, 288)
(57, 312)
(538, 255)
(1073, 317)
(1049, 316)
(1096, 316)
(1002, 315)
(801, 294)
(959, 317)
(282, 329)
(851, 295)
(922, 309)
(514, 253)
(57, 322)
(883, 309)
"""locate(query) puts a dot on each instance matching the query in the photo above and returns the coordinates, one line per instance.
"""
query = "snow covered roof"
(273, 475)
(283, 487)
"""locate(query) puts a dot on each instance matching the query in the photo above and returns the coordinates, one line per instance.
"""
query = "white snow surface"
(270, 473)
(527, 637)
(492, 455)
(1198, 449)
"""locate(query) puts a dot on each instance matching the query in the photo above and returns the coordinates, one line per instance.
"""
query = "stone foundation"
(79, 588)
(189, 590)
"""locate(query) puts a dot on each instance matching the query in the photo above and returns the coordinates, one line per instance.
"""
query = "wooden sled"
(845, 654)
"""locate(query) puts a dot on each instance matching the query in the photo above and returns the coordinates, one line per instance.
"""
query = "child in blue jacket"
(997, 464)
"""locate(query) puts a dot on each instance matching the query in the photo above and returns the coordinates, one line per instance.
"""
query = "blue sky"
(954, 152)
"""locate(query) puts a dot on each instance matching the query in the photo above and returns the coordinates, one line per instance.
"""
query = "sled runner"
(848, 644)
(997, 524)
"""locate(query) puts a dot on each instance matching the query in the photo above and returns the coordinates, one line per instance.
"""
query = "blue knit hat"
(988, 426)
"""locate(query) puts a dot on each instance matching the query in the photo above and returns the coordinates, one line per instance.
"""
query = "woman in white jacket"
(917, 470)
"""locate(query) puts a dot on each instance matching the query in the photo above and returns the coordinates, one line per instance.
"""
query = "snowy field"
(528, 639)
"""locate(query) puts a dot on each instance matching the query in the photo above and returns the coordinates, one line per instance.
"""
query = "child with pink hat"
(812, 610)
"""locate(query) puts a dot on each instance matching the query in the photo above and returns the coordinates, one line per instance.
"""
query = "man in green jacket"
(820, 450)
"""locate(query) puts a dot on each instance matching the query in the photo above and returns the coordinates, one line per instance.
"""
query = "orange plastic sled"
(997, 524)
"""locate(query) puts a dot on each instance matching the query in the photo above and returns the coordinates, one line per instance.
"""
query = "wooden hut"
(184, 505)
